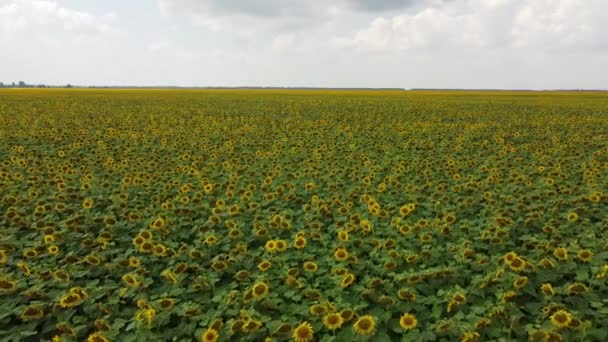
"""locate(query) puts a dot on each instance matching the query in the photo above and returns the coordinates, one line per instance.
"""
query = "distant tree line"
(22, 84)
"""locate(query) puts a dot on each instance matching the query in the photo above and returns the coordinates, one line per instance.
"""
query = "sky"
(504, 44)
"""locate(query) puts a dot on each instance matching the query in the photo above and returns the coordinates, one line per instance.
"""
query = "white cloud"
(538, 24)
(41, 16)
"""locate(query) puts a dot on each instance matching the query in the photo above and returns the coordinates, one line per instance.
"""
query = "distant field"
(245, 215)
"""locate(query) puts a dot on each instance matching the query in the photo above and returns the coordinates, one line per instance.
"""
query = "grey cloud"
(285, 8)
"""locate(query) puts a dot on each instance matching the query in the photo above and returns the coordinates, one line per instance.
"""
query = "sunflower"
(270, 246)
(259, 290)
(310, 266)
(585, 255)
(510, 256)
(343, 235)
(97, 337)
(482, 323)
(299, 243)
(517, 264)
(264, 265)
(3, 257)
(87, 203)
(341, 254)
(317, 310)
(366, 226)
(7, 285)
(561, 319)
(572, 217)
(62, 276)
(130, 280)
(546, 263)
(281, 245)
(219, 266)
(407, 295)
(209, 335)
(333, 321)
(366, 325)
(520, 282)
(469, 337)
(347, 314)
(101, 325)
(577, 288)
(166, 303)
(347, 280)
(561, 253)
(69, 301)
(30, 253)
(408, 321)
(32, 313)
(547, 289)
(303, 333)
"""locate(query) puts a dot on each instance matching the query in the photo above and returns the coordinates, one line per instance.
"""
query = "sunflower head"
(561, 319)
(365, 325)
(408, 321)
(303, 332)
(333, 321)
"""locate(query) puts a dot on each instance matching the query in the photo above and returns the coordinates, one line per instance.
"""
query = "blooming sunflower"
(97, 337)
(7, 285)
(32, 313)
(341, 254)
(585, 255)
(209, 335)
(333, 321)
(561, 318)
(408, 321)
(366, 325)
(561, 253)
(547, 289)
(310, 266)
(259, 290)
(303, 332)
(517, 264)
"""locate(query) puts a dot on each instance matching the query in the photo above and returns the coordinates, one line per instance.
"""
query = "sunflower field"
(292, 215)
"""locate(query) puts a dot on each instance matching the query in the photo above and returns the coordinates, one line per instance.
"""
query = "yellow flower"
(264, 265)
(469, 337)
(259, 290)
(87, 203)
(3, 257)
(520, 282)
(310, 266)
(333, 321)
(585, 255)
(271, 246)
(572, 217)
(547, 289)
(561, 318)
(7, 285)
(561, 253)
(281, 245)
(341, 254)
(365, 325)
(210, 335)
(408, 321)
(299, 243)
(517, 264)
(32, 313)
(97, 337)
(303, 333)
(343, 235)
(347, 280)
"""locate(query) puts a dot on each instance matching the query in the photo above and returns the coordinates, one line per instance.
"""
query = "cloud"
(41, 16)
(263, 15)
(535, 24)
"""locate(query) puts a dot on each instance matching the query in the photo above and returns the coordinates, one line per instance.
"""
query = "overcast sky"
(536, 44)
